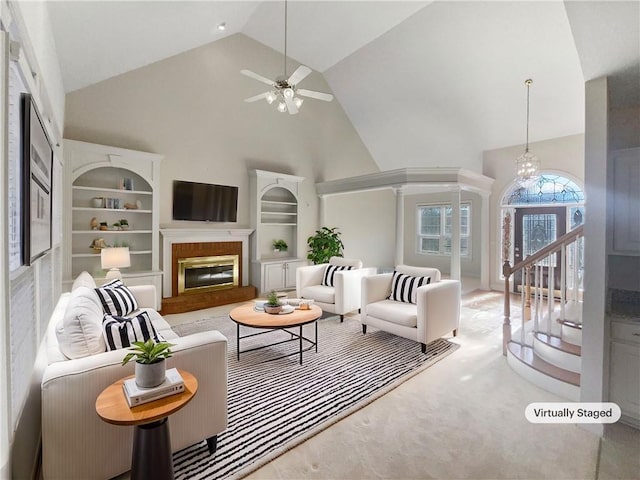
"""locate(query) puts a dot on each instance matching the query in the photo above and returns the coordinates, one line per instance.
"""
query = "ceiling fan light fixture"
(285, 87)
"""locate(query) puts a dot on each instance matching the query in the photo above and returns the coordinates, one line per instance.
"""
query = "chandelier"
(527, 164)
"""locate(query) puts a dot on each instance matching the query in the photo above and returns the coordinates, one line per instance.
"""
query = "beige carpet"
(461, 418)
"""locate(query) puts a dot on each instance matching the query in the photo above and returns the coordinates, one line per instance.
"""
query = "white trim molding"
(194, 235)
(421, 179)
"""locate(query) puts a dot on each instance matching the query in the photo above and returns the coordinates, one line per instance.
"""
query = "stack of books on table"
(136, 395)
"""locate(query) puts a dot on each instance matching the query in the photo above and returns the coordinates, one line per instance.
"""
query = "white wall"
(36, 286)
(366, 221)
(561, 155)
(190, 109)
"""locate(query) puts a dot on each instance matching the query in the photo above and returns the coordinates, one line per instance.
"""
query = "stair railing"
(570, 246)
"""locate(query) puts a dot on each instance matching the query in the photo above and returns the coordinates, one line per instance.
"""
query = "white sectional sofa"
(76, 443)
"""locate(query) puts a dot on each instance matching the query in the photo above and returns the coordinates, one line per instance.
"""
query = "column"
(322, 206)
(399, 258)
(485, 243)
(455, 233)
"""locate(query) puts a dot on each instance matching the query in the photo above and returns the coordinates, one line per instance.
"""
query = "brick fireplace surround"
(187, 243)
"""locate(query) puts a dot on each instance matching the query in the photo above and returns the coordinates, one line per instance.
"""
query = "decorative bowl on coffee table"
(273, 309)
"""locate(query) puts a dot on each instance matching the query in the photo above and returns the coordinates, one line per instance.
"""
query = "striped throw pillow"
(404, 288)
(121, 332)
(330, 272)
(116, 299)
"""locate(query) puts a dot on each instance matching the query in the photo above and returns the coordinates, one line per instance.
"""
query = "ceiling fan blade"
(297, 76)
(256, 97)
(291, 106)
(327, 97)
(255, 76)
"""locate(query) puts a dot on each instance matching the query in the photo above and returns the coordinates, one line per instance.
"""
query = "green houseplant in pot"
(273, 305)
(280, 246)
(150, 360)
(326, 243)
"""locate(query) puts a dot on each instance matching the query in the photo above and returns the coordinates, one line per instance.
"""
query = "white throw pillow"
(80, 334)
(83, 280)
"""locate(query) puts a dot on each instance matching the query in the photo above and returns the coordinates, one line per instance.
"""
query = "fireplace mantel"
(194, 235)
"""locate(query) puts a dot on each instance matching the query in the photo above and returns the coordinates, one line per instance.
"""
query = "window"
(435, 227)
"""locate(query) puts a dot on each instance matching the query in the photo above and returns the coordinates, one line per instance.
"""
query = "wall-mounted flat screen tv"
(204, 202)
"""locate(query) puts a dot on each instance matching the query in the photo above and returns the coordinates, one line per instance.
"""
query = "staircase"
(544, 344)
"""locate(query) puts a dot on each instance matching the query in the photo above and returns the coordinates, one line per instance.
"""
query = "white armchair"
(344, 296)
(435, 313)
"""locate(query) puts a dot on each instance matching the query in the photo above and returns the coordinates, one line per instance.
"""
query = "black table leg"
(152, 452)
(300, 344)
(316, 322)
(238, 339)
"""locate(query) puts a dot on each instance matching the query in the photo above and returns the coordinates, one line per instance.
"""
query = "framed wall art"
(37, 163)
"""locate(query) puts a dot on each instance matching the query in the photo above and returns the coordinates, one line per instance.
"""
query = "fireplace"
(204, 274)
(204, 268)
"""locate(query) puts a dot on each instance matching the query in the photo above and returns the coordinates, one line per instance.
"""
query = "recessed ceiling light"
(222, 26)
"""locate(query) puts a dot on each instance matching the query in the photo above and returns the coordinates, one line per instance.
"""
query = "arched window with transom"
(541, 213)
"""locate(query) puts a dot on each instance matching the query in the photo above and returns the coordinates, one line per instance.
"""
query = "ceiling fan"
(284, 89)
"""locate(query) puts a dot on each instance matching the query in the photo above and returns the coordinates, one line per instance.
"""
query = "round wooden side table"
(151, 456)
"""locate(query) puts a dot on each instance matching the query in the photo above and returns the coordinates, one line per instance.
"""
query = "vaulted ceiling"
(423, 83)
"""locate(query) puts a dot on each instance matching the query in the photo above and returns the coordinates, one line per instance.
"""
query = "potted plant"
(273, 305)
(124, 224)
(280, 245)
(326, 243)
(150, 360)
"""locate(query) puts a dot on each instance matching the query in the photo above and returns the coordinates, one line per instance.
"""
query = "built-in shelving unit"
(105, 186)
(274, 216)
(623, 264)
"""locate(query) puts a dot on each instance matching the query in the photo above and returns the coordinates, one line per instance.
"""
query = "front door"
(534, 229)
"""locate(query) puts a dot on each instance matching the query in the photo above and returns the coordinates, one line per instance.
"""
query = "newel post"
(506, 272)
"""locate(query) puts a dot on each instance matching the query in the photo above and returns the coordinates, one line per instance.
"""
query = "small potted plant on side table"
(150, 360)
(273, 305)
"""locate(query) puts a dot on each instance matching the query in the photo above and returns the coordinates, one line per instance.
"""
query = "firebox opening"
(199, 274)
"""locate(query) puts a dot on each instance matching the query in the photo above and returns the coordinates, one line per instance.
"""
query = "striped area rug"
(276, 404)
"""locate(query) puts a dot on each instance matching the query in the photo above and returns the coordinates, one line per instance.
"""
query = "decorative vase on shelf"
(149, 375)
(96, 202)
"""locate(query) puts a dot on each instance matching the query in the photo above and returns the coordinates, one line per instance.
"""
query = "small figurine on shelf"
(104, 226)
(94, 223)
(98, 244)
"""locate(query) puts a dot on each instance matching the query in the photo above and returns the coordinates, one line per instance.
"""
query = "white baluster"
(536, 297)
(522, 291)
(563, 279)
